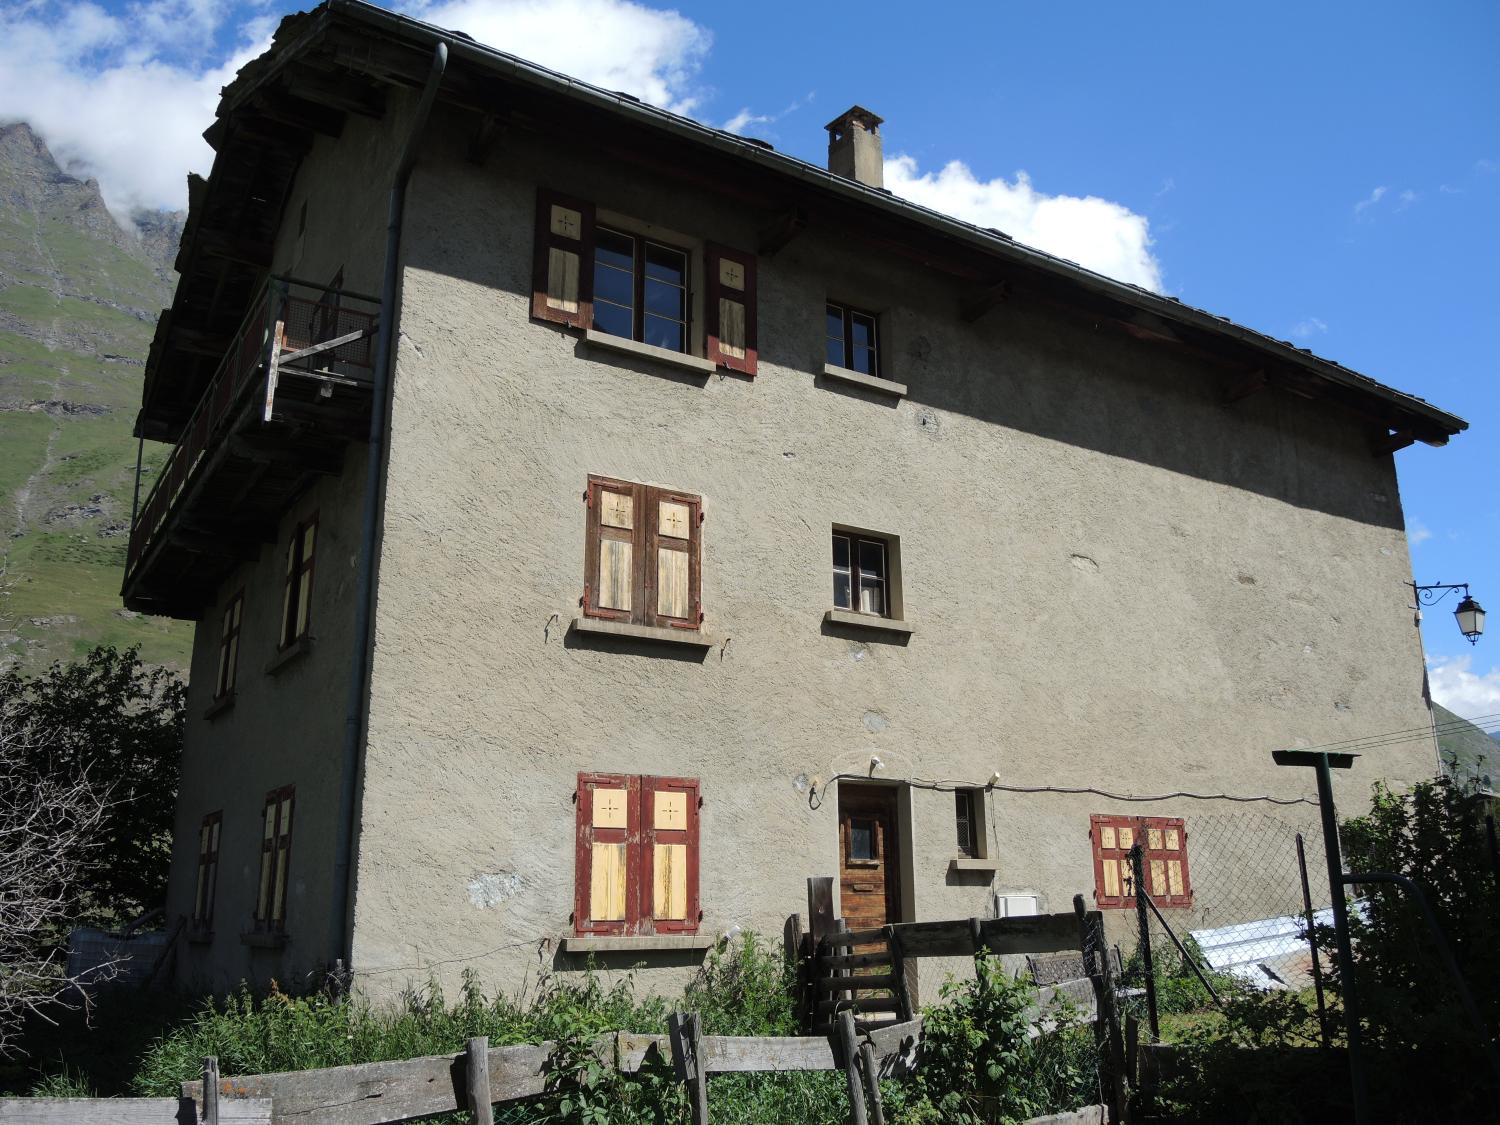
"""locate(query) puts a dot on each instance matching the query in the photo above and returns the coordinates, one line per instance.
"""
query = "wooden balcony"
(289, 396)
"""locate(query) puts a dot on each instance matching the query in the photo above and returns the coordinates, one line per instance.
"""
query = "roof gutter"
(356, 709)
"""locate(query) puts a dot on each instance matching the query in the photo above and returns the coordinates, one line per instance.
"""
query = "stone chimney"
(854, 149)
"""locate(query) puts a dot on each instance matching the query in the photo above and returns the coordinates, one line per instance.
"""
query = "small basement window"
(969, 819)
(852, 340)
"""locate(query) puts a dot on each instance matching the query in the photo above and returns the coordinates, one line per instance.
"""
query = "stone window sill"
(263, 939)
(200, 937)
(868, 621)
(651, 943)
(623, 630)
(219, 706)
(298, 648)
(607, 342)
(868, 382)
(968, 864)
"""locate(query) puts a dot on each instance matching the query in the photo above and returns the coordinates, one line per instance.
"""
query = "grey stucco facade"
(1114, 581)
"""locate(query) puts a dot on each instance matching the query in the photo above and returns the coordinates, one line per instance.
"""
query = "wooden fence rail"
(129, 1111)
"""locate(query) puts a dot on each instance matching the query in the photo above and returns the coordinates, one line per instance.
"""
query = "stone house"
(727, 521)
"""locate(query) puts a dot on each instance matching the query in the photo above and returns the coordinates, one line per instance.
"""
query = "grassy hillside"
(79, 298)
(1468, 753)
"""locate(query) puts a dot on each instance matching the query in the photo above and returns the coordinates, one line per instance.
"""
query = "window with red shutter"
(563, 269)
(275, 860)
(731, 308)
(208, 870)
(636, 855)
(1165, 860)
(229, 646)
(643, 554)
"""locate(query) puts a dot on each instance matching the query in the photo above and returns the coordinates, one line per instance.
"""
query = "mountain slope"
(79, 297)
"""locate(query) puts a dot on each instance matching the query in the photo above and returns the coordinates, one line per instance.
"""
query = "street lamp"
(1469, 614)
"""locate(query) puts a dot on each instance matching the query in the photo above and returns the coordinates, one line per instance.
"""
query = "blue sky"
(1327, 173)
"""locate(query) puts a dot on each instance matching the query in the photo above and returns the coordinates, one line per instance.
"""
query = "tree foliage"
(117, 722)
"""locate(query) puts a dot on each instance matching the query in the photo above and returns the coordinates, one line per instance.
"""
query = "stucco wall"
(285, 729)
(1116, 581)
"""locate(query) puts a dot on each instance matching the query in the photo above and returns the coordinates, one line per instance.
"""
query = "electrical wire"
(946, 785)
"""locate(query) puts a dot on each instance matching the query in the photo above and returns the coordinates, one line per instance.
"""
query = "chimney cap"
(855, 114)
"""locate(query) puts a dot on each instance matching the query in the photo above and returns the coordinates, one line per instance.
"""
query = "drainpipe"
(364, 606)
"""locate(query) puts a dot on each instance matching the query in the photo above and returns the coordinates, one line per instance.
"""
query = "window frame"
(639, 242)
(887, 579)
(640, 837)
(645, 538)
(271, 892)
(968, 815)
(230, 628)
(210, 832)
(1141, 828)
(296, 602)
(847, 314)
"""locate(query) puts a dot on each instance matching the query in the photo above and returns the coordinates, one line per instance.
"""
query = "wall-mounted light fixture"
(1469, 614)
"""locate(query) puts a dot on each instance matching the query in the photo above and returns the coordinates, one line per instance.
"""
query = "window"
(638, 287)
(1165, 862)
(643, 551)
(968, 817)
(640, 290)
(208, 871)
(296, 603)
(852, 340)
(275, 861)
(229, 646)
(861, 575)
(637, 855)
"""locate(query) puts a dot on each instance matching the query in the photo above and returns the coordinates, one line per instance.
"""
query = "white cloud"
(1462, 691)
(1406, 199)
(1312, 326)
(1416, 534)
(1373, 198)
(744, 119)
(126, 98)
(1103, 236)
(652, 54)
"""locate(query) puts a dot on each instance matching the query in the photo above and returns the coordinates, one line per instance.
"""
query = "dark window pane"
(835, 327)
(612, 319)
(665, 300)
(864, 361)
(663, 333)
(841, 551)
(614, 249)
(871, 558)
(841, 589)
(861, 839)
(871, 595)
(862, 330)
(615, 286)
(666, 265)
(963, 802)
(835, 353)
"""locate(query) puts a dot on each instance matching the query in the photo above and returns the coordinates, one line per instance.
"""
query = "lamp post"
(1469, 614)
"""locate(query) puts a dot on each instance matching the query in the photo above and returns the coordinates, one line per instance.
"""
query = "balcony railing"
(295, 334)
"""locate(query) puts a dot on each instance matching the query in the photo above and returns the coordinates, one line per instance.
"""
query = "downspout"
(364, 606)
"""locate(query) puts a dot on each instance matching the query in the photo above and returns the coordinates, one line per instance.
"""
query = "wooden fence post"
(1107, 1036)
(872, 1082)
(210, 1090)
(687, 1060)
(477, 1079)
(849, 1045)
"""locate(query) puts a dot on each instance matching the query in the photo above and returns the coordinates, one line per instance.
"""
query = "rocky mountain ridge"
(79, 298)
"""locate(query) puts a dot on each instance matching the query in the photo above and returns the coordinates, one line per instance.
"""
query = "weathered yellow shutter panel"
(1153, 839)
(609, 808)
(1174, 877)
(614, 574)
(731, 328)
(670, 810)
(1111, 878)
(671, 582)
(1158, 877)
(669, 881)
(1127, 839)
(1106, 837)
(616, 509)
(607, 883)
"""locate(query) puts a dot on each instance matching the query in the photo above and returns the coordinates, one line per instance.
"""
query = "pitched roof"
(1260, 360)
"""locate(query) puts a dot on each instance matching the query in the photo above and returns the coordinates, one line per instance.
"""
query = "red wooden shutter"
(614, 549)
(669, 854)
(1166, 867)
(609, 827)
(731, 312)
(1112, 837)
(562, 282)
(672, 565)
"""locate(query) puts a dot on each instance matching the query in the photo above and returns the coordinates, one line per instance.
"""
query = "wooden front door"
(869, 861)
